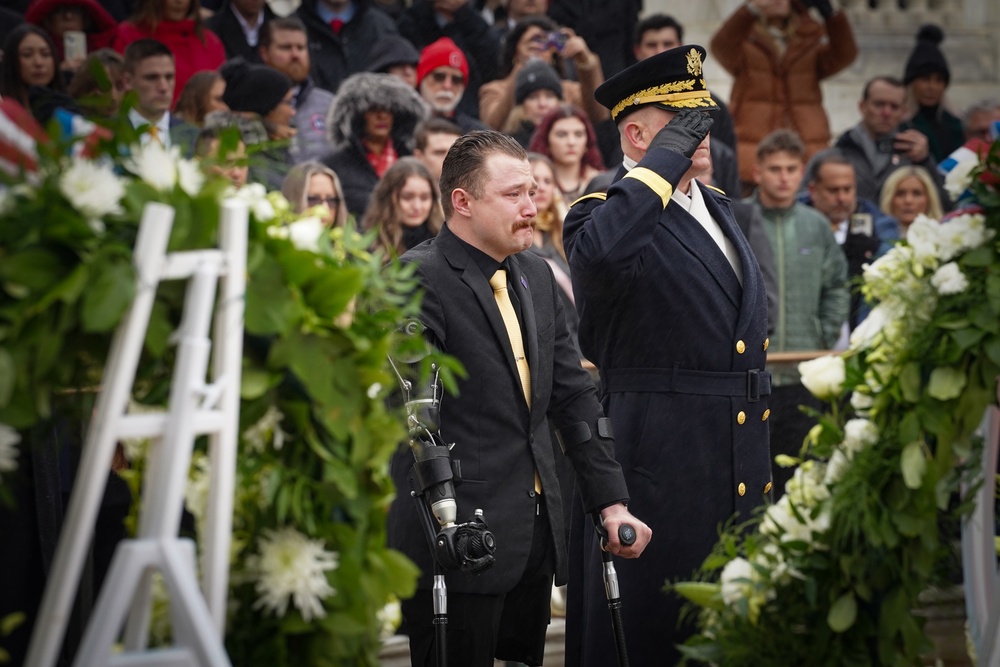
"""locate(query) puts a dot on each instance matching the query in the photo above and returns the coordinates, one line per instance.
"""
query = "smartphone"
(74, 44)
(555, 39)
(861, 223)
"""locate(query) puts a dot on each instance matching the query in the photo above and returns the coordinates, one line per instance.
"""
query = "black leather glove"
(824, 7)
(684, 132)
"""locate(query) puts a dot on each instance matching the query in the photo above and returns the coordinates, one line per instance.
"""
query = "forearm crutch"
(626, 534)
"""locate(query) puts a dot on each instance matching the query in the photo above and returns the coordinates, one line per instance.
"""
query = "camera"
(555, 39)
(886, 143)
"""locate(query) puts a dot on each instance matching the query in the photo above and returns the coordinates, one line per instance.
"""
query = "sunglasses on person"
(316, 200)
(441, 77)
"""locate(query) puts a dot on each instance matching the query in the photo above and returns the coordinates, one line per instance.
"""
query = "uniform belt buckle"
(753, 385)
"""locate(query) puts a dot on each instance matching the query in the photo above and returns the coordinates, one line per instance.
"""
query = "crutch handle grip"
(626, 534)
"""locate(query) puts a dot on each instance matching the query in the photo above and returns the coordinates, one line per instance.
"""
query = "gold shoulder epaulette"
(593, 195)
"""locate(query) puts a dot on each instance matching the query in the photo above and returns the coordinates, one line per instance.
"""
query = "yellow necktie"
(499, 284)
(154, 132)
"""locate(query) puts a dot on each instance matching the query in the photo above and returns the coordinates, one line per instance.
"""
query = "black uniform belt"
(750, 384)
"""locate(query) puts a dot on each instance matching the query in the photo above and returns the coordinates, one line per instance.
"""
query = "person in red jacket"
(57, 17)
(178, 25)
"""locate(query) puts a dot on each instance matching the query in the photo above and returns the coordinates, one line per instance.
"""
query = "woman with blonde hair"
(312, 183)
(405, 208)
(908, 192)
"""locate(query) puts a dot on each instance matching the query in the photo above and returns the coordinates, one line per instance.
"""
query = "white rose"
(735, 580)
(305, 233)
(92, 188)
(823, 376)
(925, 238)
(861, 402)
(949, 279)
(836, 467)
(859, 434)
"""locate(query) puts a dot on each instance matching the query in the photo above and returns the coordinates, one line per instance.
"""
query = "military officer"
(673, 311)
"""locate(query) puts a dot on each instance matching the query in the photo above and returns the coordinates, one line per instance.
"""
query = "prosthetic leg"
(468, 547)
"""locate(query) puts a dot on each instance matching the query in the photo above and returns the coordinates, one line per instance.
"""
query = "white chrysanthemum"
(267, 430)
(9, 439)
(735, 580)
(859, 434)
(190, 177)
(155, 165)
(306, 233)
(971, 230)
(949, 279)
(92, 188)
(290, 566)
(957, 180)
(823, 376)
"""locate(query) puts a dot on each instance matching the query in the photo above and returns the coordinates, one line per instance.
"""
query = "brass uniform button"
(767, 488)
(741, 417)
(767, 341)
(741, 347)
(741, 489)
(767, 413)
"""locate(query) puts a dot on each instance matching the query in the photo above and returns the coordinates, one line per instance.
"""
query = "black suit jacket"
(498, 439)
(228, 28)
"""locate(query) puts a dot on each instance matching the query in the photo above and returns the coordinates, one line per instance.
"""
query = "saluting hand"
(684, 133)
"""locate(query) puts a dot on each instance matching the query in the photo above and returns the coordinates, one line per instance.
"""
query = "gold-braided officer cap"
(672, 80)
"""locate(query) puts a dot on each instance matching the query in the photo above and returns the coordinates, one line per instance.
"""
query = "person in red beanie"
(57, 17)
(442, 75)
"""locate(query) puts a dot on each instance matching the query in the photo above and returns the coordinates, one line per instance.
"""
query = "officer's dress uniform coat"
(498, 439)
(680, 346)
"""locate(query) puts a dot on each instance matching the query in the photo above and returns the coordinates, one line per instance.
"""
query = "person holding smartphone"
(76, 27)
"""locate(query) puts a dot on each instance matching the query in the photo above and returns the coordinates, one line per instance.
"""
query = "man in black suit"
(499, 421)
(673, 311)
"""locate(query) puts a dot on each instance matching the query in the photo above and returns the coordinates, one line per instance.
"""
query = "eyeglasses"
(441, 77)
(316, 200)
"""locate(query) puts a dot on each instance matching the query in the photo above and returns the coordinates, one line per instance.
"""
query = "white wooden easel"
(979, 556)
(195, 408)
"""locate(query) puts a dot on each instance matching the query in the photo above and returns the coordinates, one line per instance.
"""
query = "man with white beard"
(442, 75)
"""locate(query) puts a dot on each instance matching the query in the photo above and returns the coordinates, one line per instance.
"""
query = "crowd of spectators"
(333, 95)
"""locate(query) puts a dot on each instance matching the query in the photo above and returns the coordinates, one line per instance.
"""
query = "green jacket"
(813, 295)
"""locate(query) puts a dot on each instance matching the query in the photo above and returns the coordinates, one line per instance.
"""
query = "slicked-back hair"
(890, 80)
(144, 48)
(465, 164)
(291, 23)
(656, 22)
(781, 141)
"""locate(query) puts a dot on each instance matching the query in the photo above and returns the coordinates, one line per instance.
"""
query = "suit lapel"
(693, 236)
(751, 282)
(459, 260)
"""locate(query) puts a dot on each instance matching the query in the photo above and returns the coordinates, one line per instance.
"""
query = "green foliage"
(831, 574)
(316, 431)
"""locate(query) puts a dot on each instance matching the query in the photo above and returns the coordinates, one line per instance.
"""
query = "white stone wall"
(885, 37)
